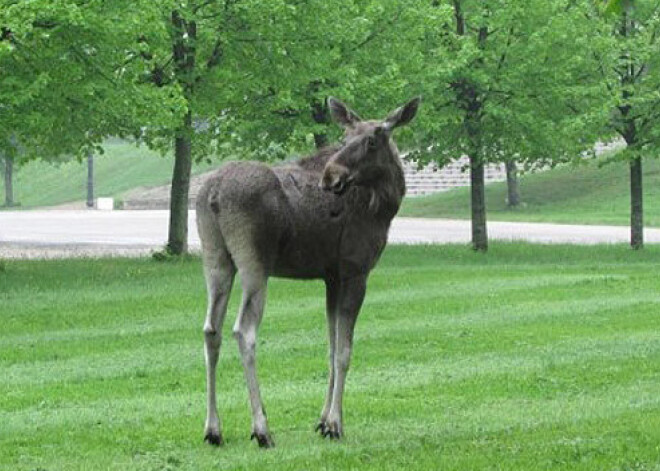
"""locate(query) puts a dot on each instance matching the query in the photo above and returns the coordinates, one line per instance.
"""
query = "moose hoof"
(263, 439)
(321, 427)
(331, 430)
(214, 438)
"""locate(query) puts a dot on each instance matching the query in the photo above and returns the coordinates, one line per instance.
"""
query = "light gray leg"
(331, 296)
(219, 272)
(350, 300)
(245, 331)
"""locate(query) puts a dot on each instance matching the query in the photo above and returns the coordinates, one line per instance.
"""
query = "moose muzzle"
(335, 178)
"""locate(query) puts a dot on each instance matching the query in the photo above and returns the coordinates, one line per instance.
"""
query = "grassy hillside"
(584, 195)
(123, 167)
(528, 357)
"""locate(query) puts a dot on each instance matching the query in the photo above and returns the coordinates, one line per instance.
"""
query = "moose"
(326, 217)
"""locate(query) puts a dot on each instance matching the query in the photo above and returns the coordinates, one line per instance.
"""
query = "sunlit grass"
(528, 357)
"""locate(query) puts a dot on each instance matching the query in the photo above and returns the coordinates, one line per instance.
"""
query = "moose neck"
(388, 192)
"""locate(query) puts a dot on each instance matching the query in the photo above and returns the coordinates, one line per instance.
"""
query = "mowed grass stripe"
(446, 369)
(171, 349)
(528, 357)
(448, 358)
(438, 421)
(171, 317)
(91, 306)
(441, 316)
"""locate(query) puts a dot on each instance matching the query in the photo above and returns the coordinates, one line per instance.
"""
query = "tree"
(203, 76)
(68, 78)
(352, 49)
(209, 52)
(631, 69)
(505, 79)
(254, 79)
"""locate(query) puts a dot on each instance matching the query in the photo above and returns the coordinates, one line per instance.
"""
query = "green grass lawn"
(122, 167)
(573, 195)
(529, 357)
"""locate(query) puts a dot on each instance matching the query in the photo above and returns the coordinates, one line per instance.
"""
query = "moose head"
(368, 148)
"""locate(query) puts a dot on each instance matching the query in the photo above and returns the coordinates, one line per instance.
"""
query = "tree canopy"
(533, 81)
(506, 80)
(67, 76)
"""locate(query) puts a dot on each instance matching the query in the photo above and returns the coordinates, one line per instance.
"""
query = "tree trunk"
(320, 116)
(9, 182)
(478, 202)
(90, 179)
(184, 52)
(636, 206)
(513, 188)
(177, 241)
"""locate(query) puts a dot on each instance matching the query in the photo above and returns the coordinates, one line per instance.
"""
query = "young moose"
(325, 216)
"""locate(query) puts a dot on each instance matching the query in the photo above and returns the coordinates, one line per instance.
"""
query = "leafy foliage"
(535, 81)
(67, 78)
(629, 68)
(509, 80)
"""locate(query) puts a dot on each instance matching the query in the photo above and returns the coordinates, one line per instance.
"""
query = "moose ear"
(403, 115)
(342, 114)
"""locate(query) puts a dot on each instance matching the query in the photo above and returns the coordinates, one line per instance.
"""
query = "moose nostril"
(335, 185)
(338, 185)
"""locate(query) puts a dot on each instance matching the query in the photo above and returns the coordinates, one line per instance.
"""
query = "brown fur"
(324, 216)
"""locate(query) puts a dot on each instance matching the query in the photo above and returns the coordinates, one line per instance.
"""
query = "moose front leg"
(331, 297)
(351, 295)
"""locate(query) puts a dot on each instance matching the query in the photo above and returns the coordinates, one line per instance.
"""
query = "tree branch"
(458, 15)
(196, 8)
(93, 66)
(651, 116)
(375, 33)
(216, 55)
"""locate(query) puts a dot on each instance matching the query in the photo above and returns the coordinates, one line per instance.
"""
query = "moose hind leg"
(245, 331)
(219, 272)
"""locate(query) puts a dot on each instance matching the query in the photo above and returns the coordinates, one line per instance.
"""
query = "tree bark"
(9, 181)
(320, 116)
(469, 99)
(636, 205)
(184, 52)
(629, 133)
(513, 189)
(90, 179)
(478, 204)
(177, 240)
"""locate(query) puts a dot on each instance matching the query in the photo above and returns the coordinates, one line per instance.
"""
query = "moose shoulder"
(325, 216)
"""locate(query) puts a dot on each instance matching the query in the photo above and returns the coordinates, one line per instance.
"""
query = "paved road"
(58, 233)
